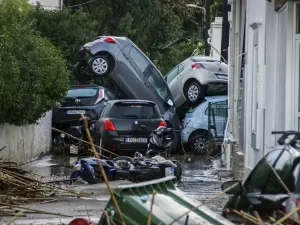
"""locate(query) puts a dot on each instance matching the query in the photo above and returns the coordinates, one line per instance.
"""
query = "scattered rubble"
(19, 187)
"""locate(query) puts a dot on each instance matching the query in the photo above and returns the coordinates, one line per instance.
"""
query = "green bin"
(169, 203)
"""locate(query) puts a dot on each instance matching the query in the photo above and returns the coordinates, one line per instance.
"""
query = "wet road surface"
(199, 177)
(199, 181)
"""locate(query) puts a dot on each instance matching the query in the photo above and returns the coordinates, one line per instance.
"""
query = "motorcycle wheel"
(88, 177)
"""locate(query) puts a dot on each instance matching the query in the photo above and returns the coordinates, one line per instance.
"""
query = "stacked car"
(199, 87)
(122, 72)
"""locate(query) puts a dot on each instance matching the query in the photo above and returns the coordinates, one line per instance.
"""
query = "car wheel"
(193, 92)
(199, 144)
(100, 65)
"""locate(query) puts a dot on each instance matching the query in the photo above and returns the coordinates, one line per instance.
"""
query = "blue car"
(205, 122)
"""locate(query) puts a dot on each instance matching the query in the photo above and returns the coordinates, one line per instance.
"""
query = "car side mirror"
(234, 186)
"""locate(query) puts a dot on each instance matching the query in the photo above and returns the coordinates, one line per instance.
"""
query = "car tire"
(193, 92)
(81, 74)
(199, 144)
(100, 65)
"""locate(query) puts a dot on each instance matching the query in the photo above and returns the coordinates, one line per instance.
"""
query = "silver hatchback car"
(196, 77)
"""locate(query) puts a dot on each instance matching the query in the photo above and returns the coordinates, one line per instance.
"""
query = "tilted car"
(117, 63)
(79, 100)
(196, 77)
(205, 122)
(125, 125)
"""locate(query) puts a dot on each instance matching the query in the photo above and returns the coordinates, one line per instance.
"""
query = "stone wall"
(24, 143)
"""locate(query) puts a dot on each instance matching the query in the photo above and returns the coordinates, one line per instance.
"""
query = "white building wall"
(271, 76)
(24, 143)
(254, 82)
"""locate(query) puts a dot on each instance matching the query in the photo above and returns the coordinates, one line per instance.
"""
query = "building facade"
(264, 59)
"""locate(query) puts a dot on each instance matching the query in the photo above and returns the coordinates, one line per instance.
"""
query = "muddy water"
(199, 177)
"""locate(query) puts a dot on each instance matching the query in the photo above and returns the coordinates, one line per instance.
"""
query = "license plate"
(224, 77)
(75, 112)
(169, 171)
(73, 149)
(136, 140)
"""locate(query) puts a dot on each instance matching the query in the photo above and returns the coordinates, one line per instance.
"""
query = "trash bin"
(169, 203)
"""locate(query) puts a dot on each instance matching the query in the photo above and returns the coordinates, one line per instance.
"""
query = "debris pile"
(19, 187)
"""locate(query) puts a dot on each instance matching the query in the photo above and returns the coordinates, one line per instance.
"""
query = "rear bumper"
(112, 141)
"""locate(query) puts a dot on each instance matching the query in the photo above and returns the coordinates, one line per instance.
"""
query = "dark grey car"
(117, 63)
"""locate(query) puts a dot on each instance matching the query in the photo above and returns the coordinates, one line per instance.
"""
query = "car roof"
(130, 101)
(199, 58)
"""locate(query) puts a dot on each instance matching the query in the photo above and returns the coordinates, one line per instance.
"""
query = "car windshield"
(134, 111)
(81, 92)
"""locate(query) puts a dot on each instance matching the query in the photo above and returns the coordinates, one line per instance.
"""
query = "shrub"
(33, 74)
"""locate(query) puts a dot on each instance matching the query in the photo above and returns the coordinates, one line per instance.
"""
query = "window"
(141, 61)
(134, 111)
(172, 74)
(219, 109)
(82, 92)
(262, 179)
(180, 69)
(157, 82)
(298, 18)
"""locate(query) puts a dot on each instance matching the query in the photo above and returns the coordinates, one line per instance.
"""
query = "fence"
(217, 119)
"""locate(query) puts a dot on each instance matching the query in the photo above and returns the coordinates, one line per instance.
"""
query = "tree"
(33, 73)
(163, 29)
(68, 30)
(216, 9)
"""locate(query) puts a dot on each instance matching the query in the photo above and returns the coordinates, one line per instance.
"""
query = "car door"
(170, 79)
(175, 84)
(153, 87)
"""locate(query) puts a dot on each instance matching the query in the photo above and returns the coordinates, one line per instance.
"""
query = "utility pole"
(225, 31)
(207, 25)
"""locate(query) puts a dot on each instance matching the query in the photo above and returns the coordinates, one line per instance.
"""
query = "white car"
(196, 77)
(205, 122)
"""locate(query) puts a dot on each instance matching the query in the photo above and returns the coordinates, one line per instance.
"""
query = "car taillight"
(80, 86)
(100, 96)
(162, 124)
(197, 66)
(109, 126)
(109, 40)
